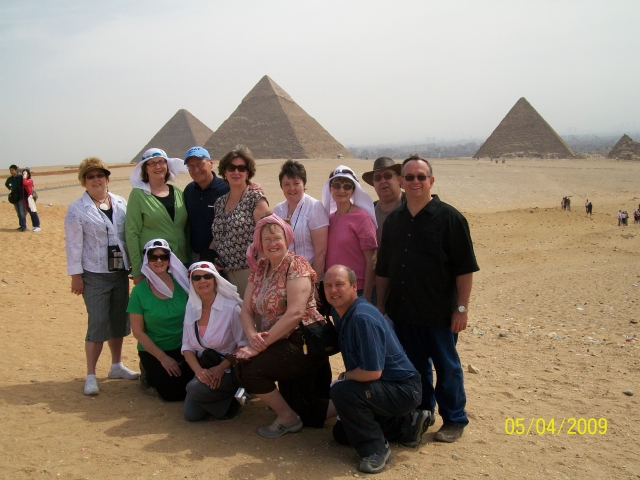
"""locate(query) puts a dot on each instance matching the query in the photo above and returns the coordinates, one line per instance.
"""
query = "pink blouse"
(270, 290)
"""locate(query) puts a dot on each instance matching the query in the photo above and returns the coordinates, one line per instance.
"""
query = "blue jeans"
(22, 216)
(438, 345)
(35, 220)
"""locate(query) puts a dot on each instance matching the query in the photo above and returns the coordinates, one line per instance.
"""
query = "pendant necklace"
(103, 204)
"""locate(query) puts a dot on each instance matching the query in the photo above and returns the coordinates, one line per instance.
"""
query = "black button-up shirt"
(422, 256)
(199, 205)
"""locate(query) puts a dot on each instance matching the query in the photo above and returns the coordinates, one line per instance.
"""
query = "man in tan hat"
(385, 179)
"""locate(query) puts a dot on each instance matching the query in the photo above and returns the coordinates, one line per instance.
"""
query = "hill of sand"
(553, 333)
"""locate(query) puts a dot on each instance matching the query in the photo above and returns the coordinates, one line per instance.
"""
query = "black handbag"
(210, 357)
(14, 196)
(321, 338)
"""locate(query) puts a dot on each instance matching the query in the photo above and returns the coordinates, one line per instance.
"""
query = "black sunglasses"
(385, 175)
(154, 258)
(421, 177)
(206, 276)
(232, 168)
(345, 186)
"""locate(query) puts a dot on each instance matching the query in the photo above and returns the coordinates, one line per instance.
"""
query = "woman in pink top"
(352, 227)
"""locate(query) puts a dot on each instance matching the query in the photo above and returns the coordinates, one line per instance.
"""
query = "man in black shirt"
(199, 197)
(14, 184)
(423, 277)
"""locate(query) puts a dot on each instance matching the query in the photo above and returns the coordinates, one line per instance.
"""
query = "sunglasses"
(411, 177)
(163, 257)
(345, 186)
(232, 168)
(95, 175)
(233, 360)
(385, 175)
(162, 161)
(206, 276)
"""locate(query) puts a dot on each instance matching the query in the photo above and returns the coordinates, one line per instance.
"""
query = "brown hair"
(243, 152)
(293, 169)
(145, 176)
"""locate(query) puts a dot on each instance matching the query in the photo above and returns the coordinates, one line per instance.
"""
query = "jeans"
(35, 220)
(438, 345)
(20, 211)
(372, 411)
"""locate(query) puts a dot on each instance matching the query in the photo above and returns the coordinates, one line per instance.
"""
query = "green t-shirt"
(163, 317)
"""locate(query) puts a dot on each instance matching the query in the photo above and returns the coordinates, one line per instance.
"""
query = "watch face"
(462, 309)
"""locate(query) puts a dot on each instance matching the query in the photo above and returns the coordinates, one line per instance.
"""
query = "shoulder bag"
(210, 357)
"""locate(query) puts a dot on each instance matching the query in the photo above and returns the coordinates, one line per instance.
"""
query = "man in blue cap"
(199, 198)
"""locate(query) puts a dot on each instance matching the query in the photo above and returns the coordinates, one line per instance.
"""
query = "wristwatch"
(463, 309)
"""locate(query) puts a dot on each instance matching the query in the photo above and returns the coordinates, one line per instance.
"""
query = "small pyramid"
(625, 149)
(524, 133)
(178, 135)
(272, 125)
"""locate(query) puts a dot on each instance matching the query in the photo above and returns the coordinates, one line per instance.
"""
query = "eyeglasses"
(345, 186)
(162, 161)
(206, 276)
(343, 171)
(163, 257)
(232, 168)
(386, 175)
(410, 177)
(95, 175)
(196, 166)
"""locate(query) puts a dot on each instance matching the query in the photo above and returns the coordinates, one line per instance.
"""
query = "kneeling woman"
(157, 307)
(280, 289)
(212, 322)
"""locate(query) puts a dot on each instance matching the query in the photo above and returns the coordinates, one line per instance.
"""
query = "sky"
(80, 78)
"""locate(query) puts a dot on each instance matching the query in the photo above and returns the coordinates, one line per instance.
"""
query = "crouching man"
(380, 389)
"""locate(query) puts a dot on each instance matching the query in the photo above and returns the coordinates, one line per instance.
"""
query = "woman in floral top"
(280, 290)
(236, 214)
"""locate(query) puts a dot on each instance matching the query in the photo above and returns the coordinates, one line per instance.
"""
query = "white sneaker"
(91, 386)
(35, 229)
(124, 373)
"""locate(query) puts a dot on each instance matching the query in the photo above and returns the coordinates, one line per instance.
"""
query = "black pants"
(303, 380)
(171, 389)
(372, 411)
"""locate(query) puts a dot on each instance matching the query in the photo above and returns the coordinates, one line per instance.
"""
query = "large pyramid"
(178, 135)
(625, 149)
(524, 133)
(272, 125)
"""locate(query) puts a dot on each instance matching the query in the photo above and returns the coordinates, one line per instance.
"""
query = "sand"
(553, 334)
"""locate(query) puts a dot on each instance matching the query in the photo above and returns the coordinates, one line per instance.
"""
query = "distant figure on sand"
(563, 204)
(567, 203)
(636, 215)
(589, 208)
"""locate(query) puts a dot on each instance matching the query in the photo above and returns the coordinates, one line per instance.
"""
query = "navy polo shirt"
(199, 205)
(367, 341)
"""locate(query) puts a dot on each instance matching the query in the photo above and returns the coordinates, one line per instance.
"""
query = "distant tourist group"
(23, 197)
(565, 203)
(230, 298)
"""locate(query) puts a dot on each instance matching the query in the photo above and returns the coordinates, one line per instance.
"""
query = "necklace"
(340, 215)
(102, 204)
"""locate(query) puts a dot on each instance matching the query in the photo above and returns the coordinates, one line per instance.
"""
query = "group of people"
(623, 218)
(588, 208)
(23, 197)
(565, 203)
(226, 293)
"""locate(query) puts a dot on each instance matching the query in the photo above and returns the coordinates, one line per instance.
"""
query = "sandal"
(283, 428)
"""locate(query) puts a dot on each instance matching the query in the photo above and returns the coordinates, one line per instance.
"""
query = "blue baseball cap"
(196, 152)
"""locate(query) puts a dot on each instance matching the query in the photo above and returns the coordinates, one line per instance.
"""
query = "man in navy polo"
(378, 393)
(199, 197)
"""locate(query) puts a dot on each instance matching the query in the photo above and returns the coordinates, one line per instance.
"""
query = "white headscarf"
(223, 287)
(360, 198)
(178, 270)
(174, 165)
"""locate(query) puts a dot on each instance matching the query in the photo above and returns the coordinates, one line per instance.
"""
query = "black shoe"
(375, 463)
(449, 433)
(420, 423)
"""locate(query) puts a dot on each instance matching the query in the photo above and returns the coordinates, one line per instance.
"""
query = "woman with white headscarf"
(155, 208)
(157, 308)
(212, 330)
(352, 227)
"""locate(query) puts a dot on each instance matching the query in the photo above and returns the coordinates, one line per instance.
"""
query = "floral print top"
(270, 290)
(233, 231)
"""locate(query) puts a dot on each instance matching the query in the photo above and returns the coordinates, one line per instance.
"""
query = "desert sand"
(553, 334)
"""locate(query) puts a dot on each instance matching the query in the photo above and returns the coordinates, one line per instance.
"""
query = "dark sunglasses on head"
(206, 276)
(232, 168)
(345, 186)
(386, 175)
(95, 175)
(164, 257)
(421, 177)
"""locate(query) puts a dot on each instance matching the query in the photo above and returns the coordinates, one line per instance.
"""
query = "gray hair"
(416, 156)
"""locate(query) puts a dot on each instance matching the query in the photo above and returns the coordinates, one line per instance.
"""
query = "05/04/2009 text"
(568, 426)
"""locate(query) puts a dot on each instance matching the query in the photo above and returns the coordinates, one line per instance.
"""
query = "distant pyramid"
(524, 133)
(272, 125)
(625, 149)
(178, 135)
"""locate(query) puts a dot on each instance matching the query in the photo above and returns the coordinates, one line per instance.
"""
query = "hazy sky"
(81, 78)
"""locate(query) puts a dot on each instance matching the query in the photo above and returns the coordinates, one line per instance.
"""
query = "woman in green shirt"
(156, 209)
(156, 309)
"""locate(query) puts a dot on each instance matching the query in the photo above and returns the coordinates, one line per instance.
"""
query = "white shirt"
(224, 332)
(309, 215)
(88, 232)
